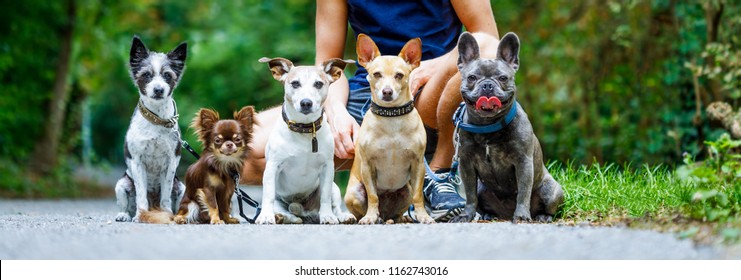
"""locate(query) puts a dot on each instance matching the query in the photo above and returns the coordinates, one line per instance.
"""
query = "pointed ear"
(246, 119)
(509, 50)
(412, 52)
(278, 66)
(468, 49)
(366, 50)
(203, 123)
(138, 53)
(333, 67)
(179, 53)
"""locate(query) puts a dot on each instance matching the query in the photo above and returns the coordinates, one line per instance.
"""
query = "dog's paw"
(544, 218)
(347, 218)
(123, 217)
(370, 220)
(136, 218)
(425, 219)
(265, 219)
(521, 215)
(328, 219)
(180, 219)
(231, 220)
(217, 222)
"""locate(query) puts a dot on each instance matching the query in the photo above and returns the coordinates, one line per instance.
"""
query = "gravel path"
(84, 229)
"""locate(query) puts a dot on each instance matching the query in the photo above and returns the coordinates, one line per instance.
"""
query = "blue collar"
(497, 126)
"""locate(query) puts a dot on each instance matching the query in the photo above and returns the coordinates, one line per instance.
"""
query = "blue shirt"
(391, 23)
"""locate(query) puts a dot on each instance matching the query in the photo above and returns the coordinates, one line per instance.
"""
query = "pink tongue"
(488, 103)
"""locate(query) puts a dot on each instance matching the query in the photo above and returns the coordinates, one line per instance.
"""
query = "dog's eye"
(318, 84)
(217, 141)
(399, 76)
(503, 79)
(377, 75)
(295, 84)
(167, 76)
(237, 139)
(471, 78)
(146, 75)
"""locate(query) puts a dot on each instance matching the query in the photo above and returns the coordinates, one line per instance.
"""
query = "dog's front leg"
(417, 183)
(326, 181)
(166, 186)
(270, 178)
(139, 176)
(469, 182)
(524, 171)
(124, 189)
(372, 213)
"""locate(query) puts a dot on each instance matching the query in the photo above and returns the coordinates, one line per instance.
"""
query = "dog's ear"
(412, 52)
(203, 123)
(366, 49)
(177, 58)
(137, 54)
(278, 66)
(333, 67)
(179, 53)
(246, 119)
(468, 49)
(509, 50)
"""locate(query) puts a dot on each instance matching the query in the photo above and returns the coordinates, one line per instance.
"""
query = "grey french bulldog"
(501, 162)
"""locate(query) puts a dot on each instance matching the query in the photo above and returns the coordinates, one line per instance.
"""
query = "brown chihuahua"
(209, 182)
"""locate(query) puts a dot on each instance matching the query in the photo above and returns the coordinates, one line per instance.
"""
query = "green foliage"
(716, 182)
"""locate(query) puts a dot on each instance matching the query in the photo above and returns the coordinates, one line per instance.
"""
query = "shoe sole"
(444, 215)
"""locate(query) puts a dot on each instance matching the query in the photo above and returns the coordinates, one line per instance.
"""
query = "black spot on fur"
(177, 150)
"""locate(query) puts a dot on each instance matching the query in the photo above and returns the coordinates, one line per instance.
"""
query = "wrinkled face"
(388, 78)
(228, 139)
(488, 85)
(156, 74)
(306, 88)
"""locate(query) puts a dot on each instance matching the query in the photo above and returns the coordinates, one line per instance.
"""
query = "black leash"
(242, 196)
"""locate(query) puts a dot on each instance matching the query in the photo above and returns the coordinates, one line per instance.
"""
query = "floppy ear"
(333, 67)
(203, 123)
(246, 119)
(137, 54)
(366, 50)
(509, 50)
(468, 49)
(278, 66)
(412, 52)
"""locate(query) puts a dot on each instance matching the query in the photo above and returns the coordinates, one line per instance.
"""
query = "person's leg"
(254, 166)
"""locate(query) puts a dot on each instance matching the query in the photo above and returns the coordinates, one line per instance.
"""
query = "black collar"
(154, 119)
(392, 111)
(305, 128)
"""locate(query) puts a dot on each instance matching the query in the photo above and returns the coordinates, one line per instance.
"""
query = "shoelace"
(445, 187)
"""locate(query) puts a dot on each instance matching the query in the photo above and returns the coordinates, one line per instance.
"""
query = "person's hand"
(420, 76)
(344, 130)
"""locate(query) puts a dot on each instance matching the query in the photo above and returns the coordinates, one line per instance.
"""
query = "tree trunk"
(713, 15)
(45, 155)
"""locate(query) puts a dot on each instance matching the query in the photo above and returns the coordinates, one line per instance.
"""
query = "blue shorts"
(358, 104)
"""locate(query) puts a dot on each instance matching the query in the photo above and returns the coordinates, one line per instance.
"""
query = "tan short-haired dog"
(388, 170)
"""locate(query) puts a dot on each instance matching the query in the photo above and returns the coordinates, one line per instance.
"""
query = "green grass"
(649, 197)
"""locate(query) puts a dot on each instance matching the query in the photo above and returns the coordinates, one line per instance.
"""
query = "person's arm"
(477, 17)
(331, 32)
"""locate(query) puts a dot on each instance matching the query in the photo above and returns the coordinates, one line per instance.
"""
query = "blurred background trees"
(605, 81)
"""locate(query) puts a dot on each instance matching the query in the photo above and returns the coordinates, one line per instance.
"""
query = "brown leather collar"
(154, 119)
(311, 127)
(392, 111)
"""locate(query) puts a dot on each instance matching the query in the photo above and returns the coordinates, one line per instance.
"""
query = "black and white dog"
(149, 190)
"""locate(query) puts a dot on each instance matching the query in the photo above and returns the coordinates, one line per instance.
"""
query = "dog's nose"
(487, 87)
(159, 91)
(229, 145)
(387, 92)
(306, 104)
